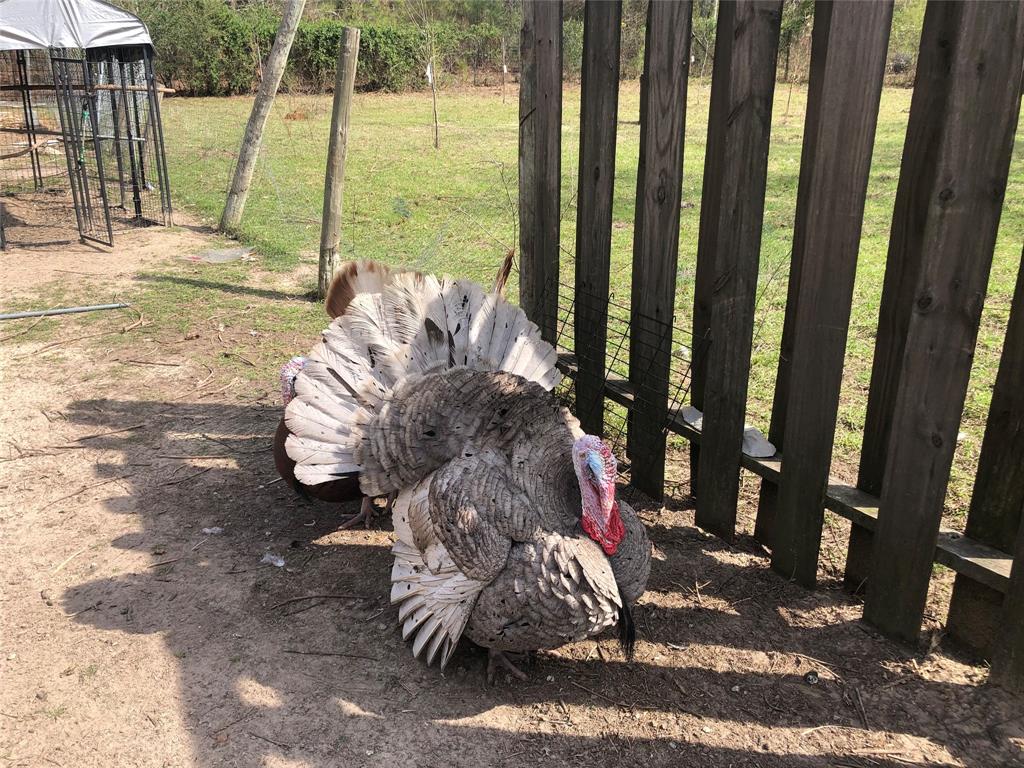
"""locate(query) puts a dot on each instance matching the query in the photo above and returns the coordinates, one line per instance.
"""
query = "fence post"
(728, 248)
(540, 162)
(968, 86)
(334, 181)
(598, 123)
(272, 72)
(998, 499)
(656, 236)
(848, 51)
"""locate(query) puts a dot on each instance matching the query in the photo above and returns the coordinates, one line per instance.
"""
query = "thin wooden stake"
(504, 70)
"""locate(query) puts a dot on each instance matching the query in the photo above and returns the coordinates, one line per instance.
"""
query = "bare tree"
(421, 13)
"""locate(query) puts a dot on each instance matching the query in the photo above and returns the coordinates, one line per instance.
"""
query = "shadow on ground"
(232, 288)
(723, 675)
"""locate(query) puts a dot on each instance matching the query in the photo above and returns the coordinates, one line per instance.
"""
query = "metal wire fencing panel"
(81, 146)
(36, 207)
(620, 397)
(130, 137)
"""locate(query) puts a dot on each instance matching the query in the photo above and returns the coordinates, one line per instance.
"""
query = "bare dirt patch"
(27, 268)
(135, 633)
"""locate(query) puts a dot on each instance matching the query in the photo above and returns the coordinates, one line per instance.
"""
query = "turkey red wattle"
(607, 533)
(596, 467)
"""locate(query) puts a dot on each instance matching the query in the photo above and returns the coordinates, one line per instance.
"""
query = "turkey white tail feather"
(434, 597)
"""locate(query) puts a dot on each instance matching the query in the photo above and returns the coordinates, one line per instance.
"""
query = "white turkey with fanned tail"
(506, 520)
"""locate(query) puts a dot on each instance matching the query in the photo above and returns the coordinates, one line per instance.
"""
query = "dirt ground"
(54, 253)
(140, 627)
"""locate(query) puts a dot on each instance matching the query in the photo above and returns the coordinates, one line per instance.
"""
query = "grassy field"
(453, 210)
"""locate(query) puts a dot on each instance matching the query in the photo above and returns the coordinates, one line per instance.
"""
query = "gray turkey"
(356, 276)
(507, 525)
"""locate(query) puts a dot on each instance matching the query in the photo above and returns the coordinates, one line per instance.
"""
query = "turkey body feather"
(436, 391)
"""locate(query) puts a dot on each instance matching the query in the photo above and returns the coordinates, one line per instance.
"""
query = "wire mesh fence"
(36, 207)
(621, 387)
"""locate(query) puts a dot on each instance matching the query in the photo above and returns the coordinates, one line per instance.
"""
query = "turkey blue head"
(596, 471)
(289, 372)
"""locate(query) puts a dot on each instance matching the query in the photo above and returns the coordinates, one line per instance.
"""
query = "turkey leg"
(365, 514)
(497, 659)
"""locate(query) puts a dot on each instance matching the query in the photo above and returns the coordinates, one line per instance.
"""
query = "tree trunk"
(334, 183)
(272, 72)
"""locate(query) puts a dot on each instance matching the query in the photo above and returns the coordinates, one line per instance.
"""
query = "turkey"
(507, 526)
(354, 277)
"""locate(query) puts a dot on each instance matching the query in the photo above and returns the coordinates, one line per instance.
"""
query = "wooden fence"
(953, 176)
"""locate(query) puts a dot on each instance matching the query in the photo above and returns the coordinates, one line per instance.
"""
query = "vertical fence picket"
(540, 152)
(656, 236)
(598, 122)
(848, 62)
(764, 525)
(998, 499)
(728, 247)
(971, 55)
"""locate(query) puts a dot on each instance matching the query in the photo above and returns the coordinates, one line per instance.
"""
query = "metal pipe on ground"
(60, 311)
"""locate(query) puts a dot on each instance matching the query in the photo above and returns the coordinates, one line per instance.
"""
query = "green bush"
(572, 48)
(315, 51)
(390, 58)
(202, 46)
(206, 49)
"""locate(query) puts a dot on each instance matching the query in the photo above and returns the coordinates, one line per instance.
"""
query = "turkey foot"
(497, 659)
(364, 515)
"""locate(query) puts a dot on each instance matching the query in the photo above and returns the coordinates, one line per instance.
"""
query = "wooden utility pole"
(334, 183)
(272, 72)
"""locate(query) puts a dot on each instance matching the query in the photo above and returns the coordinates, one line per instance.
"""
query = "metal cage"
(81, 145)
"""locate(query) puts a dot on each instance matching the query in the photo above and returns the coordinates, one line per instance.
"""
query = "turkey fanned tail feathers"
(393, 326)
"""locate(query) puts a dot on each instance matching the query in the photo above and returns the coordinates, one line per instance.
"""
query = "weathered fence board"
(975, 611)
(764, 525)
(848, 61)
(1008, 668)
(975, 617)
(598, 122)
(540, 163)
(971, 53)
(953, 175)
(728, 247)
(656, 236)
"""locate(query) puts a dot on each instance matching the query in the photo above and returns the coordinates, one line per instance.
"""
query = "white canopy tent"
(29, 24)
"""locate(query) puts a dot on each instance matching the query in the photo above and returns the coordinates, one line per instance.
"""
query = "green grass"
(453, 210)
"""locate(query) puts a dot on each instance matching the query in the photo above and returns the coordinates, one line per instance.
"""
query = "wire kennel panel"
(81, 145)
